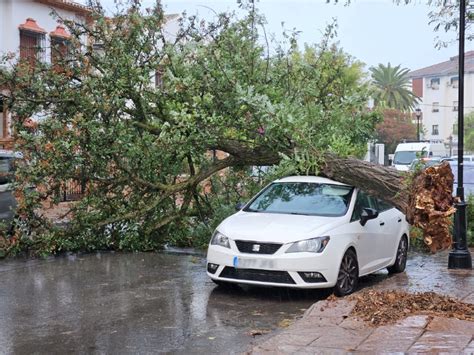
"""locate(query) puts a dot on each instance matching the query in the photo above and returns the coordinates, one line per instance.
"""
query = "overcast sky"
(373, 31)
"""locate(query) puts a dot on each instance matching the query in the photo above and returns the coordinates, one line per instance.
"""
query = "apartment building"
(437, 86)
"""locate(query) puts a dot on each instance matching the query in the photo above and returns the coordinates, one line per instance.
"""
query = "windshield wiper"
(251, 210)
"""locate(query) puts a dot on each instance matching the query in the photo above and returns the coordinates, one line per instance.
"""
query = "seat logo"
(256, 247)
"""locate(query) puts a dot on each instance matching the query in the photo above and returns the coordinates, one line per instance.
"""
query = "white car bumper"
(279, 269)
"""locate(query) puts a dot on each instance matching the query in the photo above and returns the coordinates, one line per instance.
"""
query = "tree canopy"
(395, 128)
(391, 88)
(468, 132)
(144, 151)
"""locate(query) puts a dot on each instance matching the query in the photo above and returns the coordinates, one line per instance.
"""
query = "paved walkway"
(327, 326)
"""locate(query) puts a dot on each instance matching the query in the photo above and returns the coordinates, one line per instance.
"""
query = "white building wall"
(446, 95)
(13, 13)
(171, 28)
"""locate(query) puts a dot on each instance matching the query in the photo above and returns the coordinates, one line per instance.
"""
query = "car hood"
(275, 227)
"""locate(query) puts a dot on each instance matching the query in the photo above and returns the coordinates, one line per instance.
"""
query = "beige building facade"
(437, 87)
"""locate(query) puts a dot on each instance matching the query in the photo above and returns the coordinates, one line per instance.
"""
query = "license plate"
(252, 263)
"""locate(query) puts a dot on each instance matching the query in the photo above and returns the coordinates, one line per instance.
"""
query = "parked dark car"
(425, 162)
(7, 200)
(468, 177)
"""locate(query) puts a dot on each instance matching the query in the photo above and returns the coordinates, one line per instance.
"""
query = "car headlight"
(220, 239)
(313, 245)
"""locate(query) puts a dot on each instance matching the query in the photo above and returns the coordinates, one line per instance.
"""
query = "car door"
(391, 223)
(367, 237)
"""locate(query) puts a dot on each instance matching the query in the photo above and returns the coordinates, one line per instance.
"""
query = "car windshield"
(303, 198)
(406, 157)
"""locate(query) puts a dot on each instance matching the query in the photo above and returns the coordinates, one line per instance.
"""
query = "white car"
(308, 232)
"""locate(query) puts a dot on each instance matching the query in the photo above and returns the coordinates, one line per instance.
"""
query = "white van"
(407, 152)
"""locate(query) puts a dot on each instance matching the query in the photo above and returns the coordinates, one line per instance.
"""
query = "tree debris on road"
(387, 307)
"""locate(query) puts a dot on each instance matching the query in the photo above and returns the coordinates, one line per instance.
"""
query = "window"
(59, 49)
(383, 206)
(435, 130)
(31, 48)
(434, 83)
(31, 42)
(455, 105)
(159, 78)
(60, 45)
(405, 157)
(435, 107)
(363, 201)
(454, 81)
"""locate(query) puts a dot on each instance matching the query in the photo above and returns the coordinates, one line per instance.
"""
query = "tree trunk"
(380, 181)
(425, 196)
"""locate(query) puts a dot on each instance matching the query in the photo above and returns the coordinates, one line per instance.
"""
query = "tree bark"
(424, 196)
(379, 181)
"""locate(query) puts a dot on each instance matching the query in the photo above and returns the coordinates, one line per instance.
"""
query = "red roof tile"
(450, 67)
(31, 25)
(60, 31)
(67, 5)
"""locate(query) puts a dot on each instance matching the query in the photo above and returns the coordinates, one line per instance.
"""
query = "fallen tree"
(425, 196)
(137, 121)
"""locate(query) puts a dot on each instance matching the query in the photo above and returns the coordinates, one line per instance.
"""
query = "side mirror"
(368, 214)
(239, 206)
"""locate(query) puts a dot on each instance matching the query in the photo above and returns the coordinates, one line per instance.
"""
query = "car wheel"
(348, 277)
(401, 258)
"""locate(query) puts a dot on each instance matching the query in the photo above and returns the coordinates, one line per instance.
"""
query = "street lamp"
(418, 116)
(460, 257)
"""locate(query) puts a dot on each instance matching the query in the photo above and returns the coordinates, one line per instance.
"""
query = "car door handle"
(382, 223)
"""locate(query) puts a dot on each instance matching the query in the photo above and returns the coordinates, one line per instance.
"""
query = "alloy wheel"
(348, 274)
(402, 253)
(401, 257)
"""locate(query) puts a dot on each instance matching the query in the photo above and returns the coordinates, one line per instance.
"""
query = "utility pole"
(460, 257)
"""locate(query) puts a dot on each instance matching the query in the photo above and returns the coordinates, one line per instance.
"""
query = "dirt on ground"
(386, 307)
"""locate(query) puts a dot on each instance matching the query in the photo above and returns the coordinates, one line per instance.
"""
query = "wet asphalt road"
(143, 303)
(133, 303)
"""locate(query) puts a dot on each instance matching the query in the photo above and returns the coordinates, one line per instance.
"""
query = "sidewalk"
(328, 327)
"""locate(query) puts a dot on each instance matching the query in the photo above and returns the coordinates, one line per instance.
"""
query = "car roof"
(310, 178)
(413, 146)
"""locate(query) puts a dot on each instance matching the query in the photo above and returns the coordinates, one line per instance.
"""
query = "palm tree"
(391, 88)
